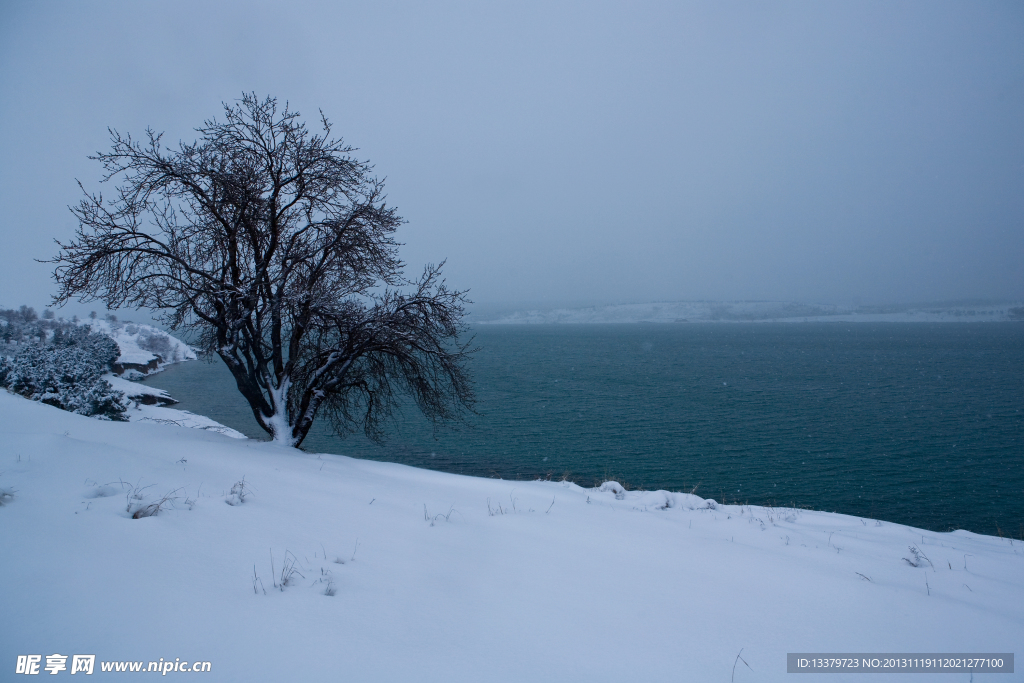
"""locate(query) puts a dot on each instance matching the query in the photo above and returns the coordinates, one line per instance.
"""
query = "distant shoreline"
(761, 312)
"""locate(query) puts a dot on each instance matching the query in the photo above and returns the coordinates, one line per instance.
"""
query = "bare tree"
(276, 246)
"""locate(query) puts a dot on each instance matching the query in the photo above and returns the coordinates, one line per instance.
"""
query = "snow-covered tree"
(23, 325)
(67, 373)
(276, 246)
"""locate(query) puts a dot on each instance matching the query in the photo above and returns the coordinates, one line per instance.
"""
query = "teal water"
(919, 424)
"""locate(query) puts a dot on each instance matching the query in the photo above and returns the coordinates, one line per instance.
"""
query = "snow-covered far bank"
(150, 404)
(275, 564)
(761, 311)
(140, 393)
(144, 348)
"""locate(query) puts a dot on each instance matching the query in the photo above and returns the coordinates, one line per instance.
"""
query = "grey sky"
(577, 153)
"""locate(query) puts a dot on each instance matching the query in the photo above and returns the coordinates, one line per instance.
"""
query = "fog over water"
(562, 154)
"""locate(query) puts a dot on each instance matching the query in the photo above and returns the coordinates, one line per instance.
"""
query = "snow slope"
(141, 344)
(439, 577)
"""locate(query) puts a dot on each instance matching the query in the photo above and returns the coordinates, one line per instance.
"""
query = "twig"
(155, 508)
(737, 661)
(254, 580)
(289, 569)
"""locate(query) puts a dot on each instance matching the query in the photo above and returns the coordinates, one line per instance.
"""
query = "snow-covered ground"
(762, 311)
(180, 418)
(391, 573)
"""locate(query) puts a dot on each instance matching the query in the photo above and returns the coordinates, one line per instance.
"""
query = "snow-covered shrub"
(24, 326)
(614, 487)
(240, 490)
(140, 511)
(67, 373)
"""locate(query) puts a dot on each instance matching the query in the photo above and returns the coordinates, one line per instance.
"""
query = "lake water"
(920, 424)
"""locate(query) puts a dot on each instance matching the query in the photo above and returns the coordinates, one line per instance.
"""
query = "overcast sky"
(566, 154)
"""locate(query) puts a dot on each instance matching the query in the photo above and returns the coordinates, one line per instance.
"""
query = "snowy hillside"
(85, 368)
(762, 311)
(144, 348)
(274, 564)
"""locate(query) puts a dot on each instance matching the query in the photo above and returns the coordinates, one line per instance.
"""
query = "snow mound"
(654, 500)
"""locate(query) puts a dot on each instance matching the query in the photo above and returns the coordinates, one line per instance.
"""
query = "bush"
(67, 373)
